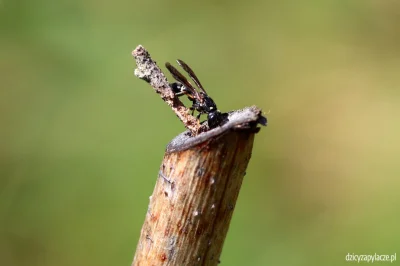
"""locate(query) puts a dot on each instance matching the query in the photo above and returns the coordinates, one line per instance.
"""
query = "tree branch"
(198, 182)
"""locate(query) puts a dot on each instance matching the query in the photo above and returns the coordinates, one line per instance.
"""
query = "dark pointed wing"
(181, 78)
(191, 74)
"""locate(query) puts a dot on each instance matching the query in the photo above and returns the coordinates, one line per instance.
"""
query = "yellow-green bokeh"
(81, 138)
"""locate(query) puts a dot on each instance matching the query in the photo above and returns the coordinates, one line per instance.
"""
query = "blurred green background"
(82, 139)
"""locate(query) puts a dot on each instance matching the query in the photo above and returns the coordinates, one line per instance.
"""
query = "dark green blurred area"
(81, 138)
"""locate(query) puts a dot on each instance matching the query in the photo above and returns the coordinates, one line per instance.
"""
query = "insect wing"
(191, 74)
(181, 78)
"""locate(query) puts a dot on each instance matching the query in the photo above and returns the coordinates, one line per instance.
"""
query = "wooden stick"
(148, 70)
(196, 191)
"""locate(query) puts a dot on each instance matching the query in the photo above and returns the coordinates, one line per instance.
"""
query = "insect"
(202, 103)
